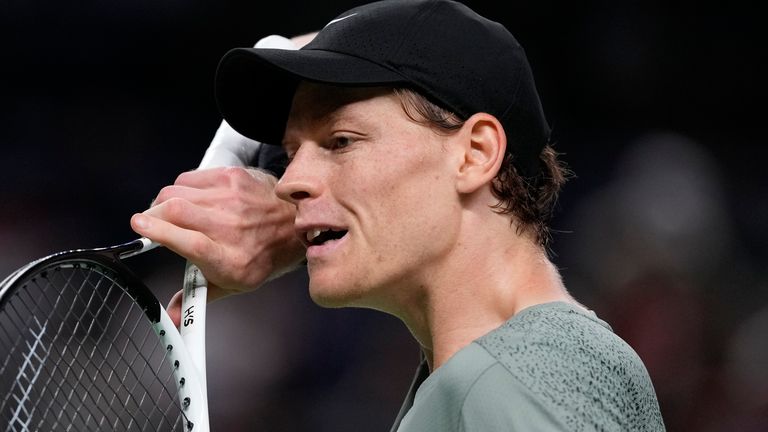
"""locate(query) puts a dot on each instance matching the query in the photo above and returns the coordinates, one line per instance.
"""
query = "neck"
(477, 288)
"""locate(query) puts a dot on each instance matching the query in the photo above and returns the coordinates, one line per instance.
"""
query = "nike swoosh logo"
(340, 19)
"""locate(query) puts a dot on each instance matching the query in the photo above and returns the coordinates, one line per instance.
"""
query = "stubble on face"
(391, 187)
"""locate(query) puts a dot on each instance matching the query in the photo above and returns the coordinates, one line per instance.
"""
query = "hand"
(228, 222)
(231, 225)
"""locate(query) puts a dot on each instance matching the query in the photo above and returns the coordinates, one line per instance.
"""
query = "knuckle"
(183, 178)
(224, 176)
(165, 194)
(174, 208)
(230, 173)
(233, 170)
(261, 179)
(198, 246)
(239, 175)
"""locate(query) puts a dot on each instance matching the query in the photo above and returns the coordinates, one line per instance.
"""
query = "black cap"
(441, 48)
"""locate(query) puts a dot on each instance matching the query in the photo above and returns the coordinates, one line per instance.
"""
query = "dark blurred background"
(657, 106)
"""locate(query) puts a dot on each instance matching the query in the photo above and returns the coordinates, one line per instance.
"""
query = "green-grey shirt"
(551, 367)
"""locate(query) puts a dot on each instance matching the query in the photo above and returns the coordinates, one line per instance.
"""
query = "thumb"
(174, 308)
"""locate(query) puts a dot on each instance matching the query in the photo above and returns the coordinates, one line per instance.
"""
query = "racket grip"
(192, 325)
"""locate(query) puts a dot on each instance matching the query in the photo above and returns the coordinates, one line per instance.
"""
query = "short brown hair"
(530, 200)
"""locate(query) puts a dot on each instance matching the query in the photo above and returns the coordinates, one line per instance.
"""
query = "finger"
(185, 214)
(190, 244)
(174, 305)
(243, 178)
(174, 308)
(183, 192)
(203, 178)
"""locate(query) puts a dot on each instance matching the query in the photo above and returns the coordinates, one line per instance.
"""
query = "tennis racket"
(86, 346)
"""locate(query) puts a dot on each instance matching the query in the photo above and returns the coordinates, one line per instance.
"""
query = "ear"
(484, 146)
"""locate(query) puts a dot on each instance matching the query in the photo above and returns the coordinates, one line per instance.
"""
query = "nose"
(300, 179)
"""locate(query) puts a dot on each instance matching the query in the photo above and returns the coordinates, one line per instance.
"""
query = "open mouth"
(319, 236)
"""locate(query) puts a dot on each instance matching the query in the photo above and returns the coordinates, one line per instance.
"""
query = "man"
(422, 181)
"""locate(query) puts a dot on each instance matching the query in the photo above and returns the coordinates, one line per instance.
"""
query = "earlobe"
(484, 147)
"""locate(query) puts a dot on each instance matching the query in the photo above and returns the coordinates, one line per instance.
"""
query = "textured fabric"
(551, 367)
(271, 158)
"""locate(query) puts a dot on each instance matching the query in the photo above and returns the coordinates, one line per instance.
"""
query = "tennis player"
(422, 178)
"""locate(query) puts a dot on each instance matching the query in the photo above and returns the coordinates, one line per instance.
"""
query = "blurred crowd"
(655, 251)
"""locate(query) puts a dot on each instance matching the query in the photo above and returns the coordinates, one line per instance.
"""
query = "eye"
(289, 155)
(339, 142)
(290, 152)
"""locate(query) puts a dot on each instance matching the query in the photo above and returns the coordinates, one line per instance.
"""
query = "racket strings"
(72, 365)
(79, 354)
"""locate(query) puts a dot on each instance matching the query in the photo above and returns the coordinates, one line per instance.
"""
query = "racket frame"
(190, 385)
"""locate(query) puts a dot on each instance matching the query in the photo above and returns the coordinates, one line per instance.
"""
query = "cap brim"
(254, 86)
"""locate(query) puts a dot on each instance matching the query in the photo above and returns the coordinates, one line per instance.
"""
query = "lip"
(314, 252)
(323, 251)
(303, 228)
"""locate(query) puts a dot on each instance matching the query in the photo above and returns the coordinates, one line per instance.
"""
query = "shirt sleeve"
(496, 401)
(271, 158)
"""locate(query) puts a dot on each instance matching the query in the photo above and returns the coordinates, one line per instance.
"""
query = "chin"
(335, 294)
(328, 302)
(328, 296)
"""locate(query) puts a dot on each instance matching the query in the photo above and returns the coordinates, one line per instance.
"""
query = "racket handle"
(228, 148)
(192, 331)
(192, 323)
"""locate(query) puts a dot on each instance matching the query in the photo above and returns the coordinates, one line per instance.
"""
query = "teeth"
(311, 235)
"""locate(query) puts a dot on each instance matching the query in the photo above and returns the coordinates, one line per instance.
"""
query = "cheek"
(410, 207)
(399, 191)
